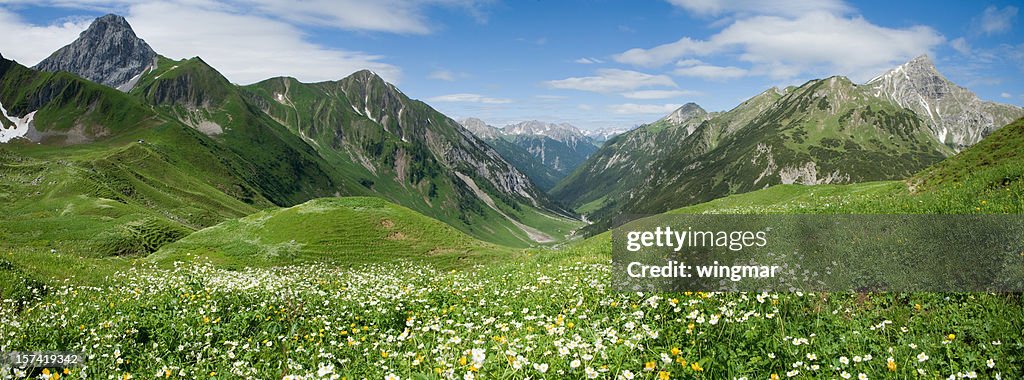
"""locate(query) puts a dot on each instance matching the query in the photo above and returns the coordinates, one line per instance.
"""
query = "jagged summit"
(108, 52)
(536, 127)
(480, 128)
(365, 75)
(918, 68)
(955, 115)
(687, 112)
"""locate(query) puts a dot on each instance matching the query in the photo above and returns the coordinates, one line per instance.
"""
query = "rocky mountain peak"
(564, 132)
(954, 114)
(480, 128)
(686, 113)
(108, 52)
(365, 76)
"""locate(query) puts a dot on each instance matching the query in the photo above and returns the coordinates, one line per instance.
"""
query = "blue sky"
(594, 64)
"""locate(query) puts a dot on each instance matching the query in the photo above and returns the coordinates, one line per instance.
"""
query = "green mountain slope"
(411, 154)
(348, 231)
(122, 179)
(67, 109)
(825, 131)
(1003, 150)
(987, 178)
(282, 166)
(621, 163)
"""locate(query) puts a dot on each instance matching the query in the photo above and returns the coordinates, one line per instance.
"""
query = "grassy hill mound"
(352, 230)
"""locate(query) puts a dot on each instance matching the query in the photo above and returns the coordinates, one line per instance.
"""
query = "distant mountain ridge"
(824, 131)
(600, 135)
(546, 152)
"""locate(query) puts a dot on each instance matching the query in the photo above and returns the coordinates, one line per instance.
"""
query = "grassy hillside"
(347, 231)
(407, 152)
(827, 131)
(1004, 148)
(539, 314)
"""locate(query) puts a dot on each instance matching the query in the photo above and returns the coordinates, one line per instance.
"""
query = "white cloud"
(994, 20)
(612, 80)
(642, 109)
(775, 7)
(469, 98)
(1006, 95)
(817, 42)
(662, 54)
(244, 46)
(44, 39)
(588, 61)
(444, 75)
(658, 94)
(961, 46)
(389, 16)
(696, 68)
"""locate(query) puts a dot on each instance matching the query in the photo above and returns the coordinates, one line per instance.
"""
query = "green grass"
(492, 311)
(342, 231)
(1001, 149)
(496, 314)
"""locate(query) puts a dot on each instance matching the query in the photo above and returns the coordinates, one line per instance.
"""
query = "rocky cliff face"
(108, 52)
(955, 115)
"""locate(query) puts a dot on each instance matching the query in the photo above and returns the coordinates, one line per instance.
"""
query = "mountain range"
(825, 131)
(279, 142)
(546, 152)
(148, 149)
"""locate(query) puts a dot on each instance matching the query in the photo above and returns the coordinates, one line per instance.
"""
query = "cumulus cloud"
(29, 44)
(784, 46)
(657, 94)
(444, 75)
(695, 68)
(1006, 95)
(662, 54)
(642, 109)
(390, 16)
(246, 46)
(995, 20)
(469, 98)
(612, 80)
(776, 7)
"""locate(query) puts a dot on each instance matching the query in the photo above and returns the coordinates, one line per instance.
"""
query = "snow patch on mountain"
(21, 125)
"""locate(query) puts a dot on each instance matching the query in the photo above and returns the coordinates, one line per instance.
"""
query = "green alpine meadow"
(162, 218)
